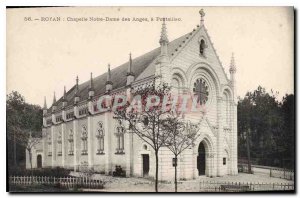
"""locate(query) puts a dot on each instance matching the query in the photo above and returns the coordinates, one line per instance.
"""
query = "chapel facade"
(76, 133)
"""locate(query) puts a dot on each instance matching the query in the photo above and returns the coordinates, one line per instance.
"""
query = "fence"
(268, 171)
(63, 182)
(282, 173)
(210, 186)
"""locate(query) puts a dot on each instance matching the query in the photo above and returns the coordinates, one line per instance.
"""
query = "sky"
(45, 56)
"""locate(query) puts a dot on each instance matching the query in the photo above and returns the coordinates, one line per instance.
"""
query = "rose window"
(201, 91)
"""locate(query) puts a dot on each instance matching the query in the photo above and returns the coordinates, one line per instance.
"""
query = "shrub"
(48, 172)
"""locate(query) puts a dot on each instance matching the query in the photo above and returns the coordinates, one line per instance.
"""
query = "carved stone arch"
(209, 146)
(202, 38)
(208, 143)
(227, 90)
(180, 74)
(192, 70)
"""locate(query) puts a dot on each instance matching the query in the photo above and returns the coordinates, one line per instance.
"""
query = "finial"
(129, 71)
(65, 93)
(202, 14)
(163, 36)
(108, 73)
(232, 68)
(77, 87)
(130, 63)
(45, 103)
(91, 87)
(54, 99)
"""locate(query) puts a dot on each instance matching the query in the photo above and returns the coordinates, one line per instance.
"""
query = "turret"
(54, 105)
(164, 41)
(163, 69)
(45, 107)
(77, 97)
(108, 83)
(64, 100)
(130, 74)
(91, 87)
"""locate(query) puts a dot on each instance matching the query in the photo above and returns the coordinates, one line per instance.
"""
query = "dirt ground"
(133, 184)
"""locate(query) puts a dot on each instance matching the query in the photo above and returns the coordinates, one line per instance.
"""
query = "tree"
(270, 127)
(145, 120)
(29, 142)
(182, 135)
(21, 117)
(286, 140)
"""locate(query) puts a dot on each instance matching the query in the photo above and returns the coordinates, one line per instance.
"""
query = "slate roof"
(142, 66)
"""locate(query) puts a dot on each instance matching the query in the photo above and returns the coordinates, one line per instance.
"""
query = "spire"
(77, 80)
(45, 107)
(77, 86)
(202, 14)
(91, 86)
(108, 74)
(45, 103)
(163, 36)
(54, 99)
(76, 99)
(130, 74)
(65, 94)
(129, 71)
(64, 100)
(232, 68)
(109, 83)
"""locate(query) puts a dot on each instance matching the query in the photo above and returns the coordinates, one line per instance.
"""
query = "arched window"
(202, 47)
(120, 138)
(84, 143)
(59, 144)
(71, 142)
(100, 138)
(175, 85)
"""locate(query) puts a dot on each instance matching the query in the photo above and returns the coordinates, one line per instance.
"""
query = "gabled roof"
(141, 66)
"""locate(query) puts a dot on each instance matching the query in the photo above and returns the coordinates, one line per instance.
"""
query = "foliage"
(46, 172)
(21, 118)
(271, 125)
(181, 135)
(147, 123)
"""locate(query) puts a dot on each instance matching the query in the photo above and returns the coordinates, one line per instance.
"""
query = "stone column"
(63, 139)
(234, 140)
(91, 138)
(75, 132)
(44, 141)
(53, 146)
(220, 138)
(107, 142)
(128, 152)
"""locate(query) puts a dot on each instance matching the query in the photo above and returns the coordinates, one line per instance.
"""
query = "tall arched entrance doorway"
(201, 159)
(39, 161)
